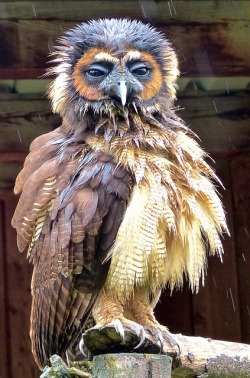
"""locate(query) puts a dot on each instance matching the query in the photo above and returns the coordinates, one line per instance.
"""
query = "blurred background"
(212, 43)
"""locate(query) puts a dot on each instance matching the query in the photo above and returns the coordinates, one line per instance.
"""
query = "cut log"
(206, 355)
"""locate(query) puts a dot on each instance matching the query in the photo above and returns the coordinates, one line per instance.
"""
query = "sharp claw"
(161, 340)
(142, 334)
(81, 346)
(170, 339)
(157, 335)
(118, 327)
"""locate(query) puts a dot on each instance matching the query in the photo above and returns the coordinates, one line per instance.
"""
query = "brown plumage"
(118, 201)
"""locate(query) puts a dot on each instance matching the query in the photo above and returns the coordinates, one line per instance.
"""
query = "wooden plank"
(23, 121)
(19, 302)
(4, 344)
(211, 38)
(12, 157)
(160, 11)
(221, 136)
(8, 174)
(240, 173)
(216, 306)
(221, 122)
(210, 104)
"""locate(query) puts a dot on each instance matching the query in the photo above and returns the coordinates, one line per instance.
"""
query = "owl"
(119, 201)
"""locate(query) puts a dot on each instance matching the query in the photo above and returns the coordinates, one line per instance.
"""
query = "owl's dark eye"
(140, 71)
(95, 73)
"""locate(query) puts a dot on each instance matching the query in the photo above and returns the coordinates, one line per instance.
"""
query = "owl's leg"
(142, 312)
(108, 310)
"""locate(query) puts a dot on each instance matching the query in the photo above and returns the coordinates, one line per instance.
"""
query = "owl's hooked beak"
(122, 91)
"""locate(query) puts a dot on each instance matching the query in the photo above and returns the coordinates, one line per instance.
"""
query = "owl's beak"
(122, 91)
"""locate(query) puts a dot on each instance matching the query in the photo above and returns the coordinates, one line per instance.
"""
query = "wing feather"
(71, 202)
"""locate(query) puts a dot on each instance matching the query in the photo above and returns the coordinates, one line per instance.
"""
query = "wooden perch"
(214, 356)
(197, 353)
(197, 356)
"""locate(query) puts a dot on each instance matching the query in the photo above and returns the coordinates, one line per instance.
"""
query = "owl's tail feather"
(56, 320)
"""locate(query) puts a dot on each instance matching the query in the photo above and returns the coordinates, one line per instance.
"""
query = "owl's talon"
(136, 328)
(162, 336)
(170, 339)
(161, 340)
(118, 327)
(81, 347)
(156, 334)
(140, 333)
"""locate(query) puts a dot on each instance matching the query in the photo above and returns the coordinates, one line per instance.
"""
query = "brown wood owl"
(118, 201)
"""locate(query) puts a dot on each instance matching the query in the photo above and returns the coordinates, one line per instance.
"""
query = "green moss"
(183, 372)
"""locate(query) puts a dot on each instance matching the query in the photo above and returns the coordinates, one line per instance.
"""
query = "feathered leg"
(142, 312)
(108, 310)
(135, 315)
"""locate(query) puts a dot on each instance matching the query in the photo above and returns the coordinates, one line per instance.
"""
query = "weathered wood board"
(216, 306)
(210, 37)
(4, 342)
(220, 121)
(240, 171)
(20, 362)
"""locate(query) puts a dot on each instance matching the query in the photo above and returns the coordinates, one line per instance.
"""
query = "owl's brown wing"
(72, 203)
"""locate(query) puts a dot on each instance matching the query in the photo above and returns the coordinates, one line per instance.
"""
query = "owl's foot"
(113, 331)
(142, 312)
(119, 325)
(119, 337)
(124, 328)
(165, 339)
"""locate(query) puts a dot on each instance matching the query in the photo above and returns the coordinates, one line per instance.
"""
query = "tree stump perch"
(132, 365)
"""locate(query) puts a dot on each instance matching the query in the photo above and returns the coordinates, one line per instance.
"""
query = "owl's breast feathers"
(174, 213)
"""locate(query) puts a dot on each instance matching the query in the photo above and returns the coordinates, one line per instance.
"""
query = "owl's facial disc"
(101, 76)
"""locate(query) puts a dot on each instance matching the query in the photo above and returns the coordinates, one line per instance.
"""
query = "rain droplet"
(143, 10)
(215, 106)
(214, 281)
(232, 298)
(34, 10)
(246, 231)
(19, 136)
(170, 10)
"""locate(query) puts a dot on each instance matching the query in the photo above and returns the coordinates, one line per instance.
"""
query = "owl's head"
(113, 63)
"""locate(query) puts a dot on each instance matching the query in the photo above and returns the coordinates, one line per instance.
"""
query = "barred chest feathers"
(178, 214)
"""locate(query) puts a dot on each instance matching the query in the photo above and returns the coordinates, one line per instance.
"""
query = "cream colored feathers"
(173, 217)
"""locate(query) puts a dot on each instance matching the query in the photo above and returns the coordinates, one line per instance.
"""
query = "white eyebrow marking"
(132, 55)
(107, 57)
